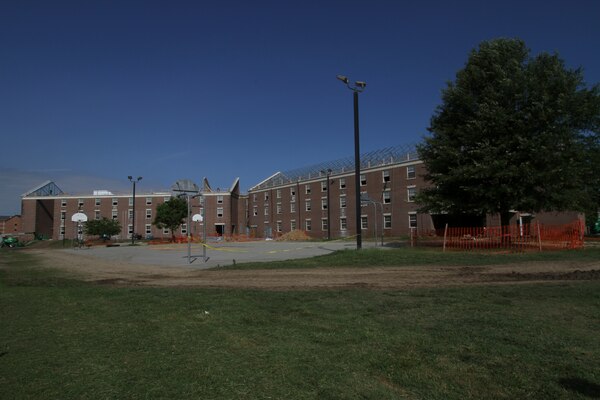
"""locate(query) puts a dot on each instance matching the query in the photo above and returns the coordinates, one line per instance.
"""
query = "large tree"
(171, 214)
(513, 132)
(105, 228)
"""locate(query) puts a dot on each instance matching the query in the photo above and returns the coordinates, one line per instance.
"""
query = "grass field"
(64, 339)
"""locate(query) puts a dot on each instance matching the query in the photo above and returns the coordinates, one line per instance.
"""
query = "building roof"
(389, 155)
(47, 188)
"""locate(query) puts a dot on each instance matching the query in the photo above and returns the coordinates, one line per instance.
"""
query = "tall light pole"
(133, 181)
(328, 174)
(357, 87)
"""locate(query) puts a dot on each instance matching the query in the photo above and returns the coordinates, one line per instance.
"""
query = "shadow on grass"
(581, 386)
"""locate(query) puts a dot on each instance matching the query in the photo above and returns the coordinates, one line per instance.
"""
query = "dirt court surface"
(116, 273)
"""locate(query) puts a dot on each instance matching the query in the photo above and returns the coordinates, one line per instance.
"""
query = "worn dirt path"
(117, 273)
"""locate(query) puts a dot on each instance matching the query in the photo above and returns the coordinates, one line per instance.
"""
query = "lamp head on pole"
(343, 78)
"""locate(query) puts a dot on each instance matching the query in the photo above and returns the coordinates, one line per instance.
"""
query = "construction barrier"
(516, 238)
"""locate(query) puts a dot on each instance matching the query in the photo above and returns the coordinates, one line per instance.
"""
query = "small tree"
(105, 228)
(170, 215)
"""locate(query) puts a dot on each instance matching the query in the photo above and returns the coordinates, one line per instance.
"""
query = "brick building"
(10, 225)
(320, 199)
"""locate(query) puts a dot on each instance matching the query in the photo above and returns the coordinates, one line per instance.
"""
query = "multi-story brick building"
(47, 211)
(10, 225)
(321, 199)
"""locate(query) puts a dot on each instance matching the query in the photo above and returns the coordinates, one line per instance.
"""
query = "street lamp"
(328, 174)
(357, 87)
(133, 181)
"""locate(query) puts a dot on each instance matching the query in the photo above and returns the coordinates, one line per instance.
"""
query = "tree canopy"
(513, 132)
(171, 214)
(104, 227)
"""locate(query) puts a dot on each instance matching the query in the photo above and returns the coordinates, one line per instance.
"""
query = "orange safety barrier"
(515, 238)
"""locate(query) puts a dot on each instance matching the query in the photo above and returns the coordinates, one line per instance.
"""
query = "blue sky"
(94, 91)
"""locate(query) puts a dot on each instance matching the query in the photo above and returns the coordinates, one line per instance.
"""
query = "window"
(411, 192)
(387, 197)
(324, 224)
(115, 201)
(62, 231)
(130, 229)
(343, 224)
(293, 207)
(307, 205)
(255, 211)
(278, 193)
(115, 214)
(148, 213)
(63, 215)
(183, 229)
(323, 204)
(130, 214)
(278, 226)
(202, 200)
(220, 199)
(324, 186)
(292, 194)
(96, 214)
(266, 210)
(166, 199)
(342, 183)
(148, 229)
(97, 201)
(80, 202)
(387, 221)
(148, 201)
(166, 231)
(411, 172)
(386, 176)
(254, 197)
(293, 225)
(266, 196)
(130, 201)
(412, 220)
(343, 202)
(363, 180)
(308, 225)
(364, 222)
(63, 203)
(220, 212)
(278, 208)
(306, 189)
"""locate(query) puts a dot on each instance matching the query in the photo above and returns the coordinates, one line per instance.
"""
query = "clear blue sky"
(94, 91)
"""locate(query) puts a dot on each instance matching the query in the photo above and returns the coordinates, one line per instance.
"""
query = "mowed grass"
(63, 339)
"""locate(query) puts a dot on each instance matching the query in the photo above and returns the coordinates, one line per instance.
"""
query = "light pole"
(356, 88)
(328, 174)
(133, 181)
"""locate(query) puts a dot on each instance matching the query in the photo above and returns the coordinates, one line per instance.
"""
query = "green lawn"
(62, 339)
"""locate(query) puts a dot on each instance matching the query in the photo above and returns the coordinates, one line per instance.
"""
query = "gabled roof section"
(235, 187)
(206, 186)
(47, 188)
(373, 159)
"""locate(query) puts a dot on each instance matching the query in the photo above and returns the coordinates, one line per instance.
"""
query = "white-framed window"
(115, 201)
(323, 204)
(342, 201)
(342, 183)
(364, 222)
(61, 231)
(278, 193)
(308, 225)
(202, 200)
(292, 194)
(386, 176)
(266, 195)
(293, 225)
(411, 192)
(254, 197)
(363, 180)
(130, 202)
(166, 198)
(96, 214)
(293, 207)
(97, 201)
(130, 213)
(306, 189)
(166, 231)
(266, 210)
(148, 201)
(63, 202)
(115, 214)
(411, 172)
(307, 205)
(80, 202)
(255, 211)
(323, 224)
(220, 199)
(279, 209)
(130, 229)
(148, 228)
(220, 212)
(184, 229)
(324, 186)
(343, 224)
(63, 215)
(148, 213)
(412, 219)
(387, 221)
(387, 197)
(278, 226)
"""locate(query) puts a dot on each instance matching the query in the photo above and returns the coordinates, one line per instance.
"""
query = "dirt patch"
(113, 273)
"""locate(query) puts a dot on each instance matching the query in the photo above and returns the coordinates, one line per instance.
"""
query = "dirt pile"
(294, 235)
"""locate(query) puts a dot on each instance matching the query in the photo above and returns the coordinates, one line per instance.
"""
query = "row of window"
(343, 223)
(114, 200)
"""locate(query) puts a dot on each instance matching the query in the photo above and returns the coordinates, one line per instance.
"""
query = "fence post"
(445, 235)
(539, 232)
